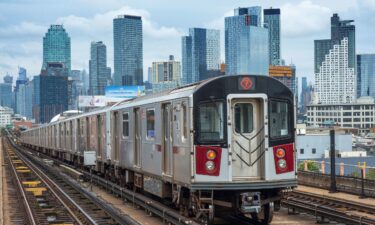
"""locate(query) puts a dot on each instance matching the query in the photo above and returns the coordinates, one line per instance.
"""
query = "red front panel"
(201, 159)
(289, 158)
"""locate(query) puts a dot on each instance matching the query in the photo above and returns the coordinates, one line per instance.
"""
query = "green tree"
(311, 166)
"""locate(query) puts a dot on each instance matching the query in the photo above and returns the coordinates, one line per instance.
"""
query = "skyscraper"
(303, 98)
(6, 92)
(98, 68)
(335, 64)
(254, 13)
(128, 50)
(24, 97)
(56, 47)
(50, 97)
(166, 74)
(366, 75)
(272, 22)
(341, 29)
(335, 82)
(19, 100)
(246, 43)
(200, 55)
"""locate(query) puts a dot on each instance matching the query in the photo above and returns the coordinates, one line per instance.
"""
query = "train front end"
(244, 154)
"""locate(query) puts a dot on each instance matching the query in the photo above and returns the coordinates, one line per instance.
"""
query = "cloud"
(101, 23)
(370, 4)
(22, 29)
(83, 30)
(304, 19)
(219, 22)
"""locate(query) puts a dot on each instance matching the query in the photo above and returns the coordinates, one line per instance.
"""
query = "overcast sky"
(23, 24)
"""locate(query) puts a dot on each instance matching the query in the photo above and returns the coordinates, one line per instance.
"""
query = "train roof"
(179, 92)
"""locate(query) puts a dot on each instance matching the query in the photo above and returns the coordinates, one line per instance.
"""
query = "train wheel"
(203, 212)
(265, 216)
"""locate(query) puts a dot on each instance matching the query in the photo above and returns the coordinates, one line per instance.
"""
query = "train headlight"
(281, 163)
(210, 166)
(280, 153)
(211, 154)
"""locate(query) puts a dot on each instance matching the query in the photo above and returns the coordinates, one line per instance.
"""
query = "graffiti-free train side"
(225, 144)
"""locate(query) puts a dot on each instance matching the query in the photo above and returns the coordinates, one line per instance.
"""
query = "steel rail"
(166, 213)
(325, 211)
(352, 205)
(19, 184)
(51, 185)
(120, 218)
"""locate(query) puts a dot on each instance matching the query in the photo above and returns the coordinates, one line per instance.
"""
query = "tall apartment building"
(56, 47)
(166, 75)
(5, 116)
(200, 55)
(51, 93)
(272, 22)
(336, 81)
(6, 95)
(366, 75)
(99, 72)
(335, 67)
(246, 43)
(24, 97)
(128, 50)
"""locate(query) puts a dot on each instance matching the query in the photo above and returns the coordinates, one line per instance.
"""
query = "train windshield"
(279, 119)
(211, 121)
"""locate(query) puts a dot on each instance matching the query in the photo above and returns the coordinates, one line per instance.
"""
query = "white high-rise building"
(335, 82)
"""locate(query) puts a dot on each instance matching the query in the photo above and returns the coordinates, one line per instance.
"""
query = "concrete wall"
(343, 142)
(344, 184)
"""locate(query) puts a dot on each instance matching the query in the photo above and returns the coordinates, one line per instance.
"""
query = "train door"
(98, 136)
(247, 138)
(116, 136)
(167, 139)
(137, 137)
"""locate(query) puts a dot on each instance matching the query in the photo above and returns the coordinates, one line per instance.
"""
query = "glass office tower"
(366, 75)
(200, 55)
(272, 22)
(128, 50)
(246, 45)
(56, 47)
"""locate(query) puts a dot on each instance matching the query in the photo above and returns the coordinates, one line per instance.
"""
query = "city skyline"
(162, 35)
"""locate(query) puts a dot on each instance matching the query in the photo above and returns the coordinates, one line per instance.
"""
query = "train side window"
(150, 117)
(184, 123)
(125, 124)
(279, 119)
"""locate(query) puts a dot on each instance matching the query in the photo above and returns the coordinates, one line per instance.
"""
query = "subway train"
(225, 144)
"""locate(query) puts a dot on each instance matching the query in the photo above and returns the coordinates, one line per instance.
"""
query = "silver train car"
(225, 144)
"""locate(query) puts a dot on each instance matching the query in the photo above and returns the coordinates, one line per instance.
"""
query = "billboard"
(124, 92)
(92, 101)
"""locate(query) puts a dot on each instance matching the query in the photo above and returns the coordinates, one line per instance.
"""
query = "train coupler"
(250, 202)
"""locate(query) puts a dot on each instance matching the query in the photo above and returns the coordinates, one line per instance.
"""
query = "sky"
(23, 24)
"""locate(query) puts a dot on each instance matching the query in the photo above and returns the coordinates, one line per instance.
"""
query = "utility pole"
(333, 188)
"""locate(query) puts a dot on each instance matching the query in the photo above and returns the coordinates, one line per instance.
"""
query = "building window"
(314, 151)
(301, 151)
(150, 114)
(125, 124)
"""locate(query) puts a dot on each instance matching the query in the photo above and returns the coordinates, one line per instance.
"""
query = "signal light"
(210, 166)
(281, 163)
(211, 154)
(280, 153)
